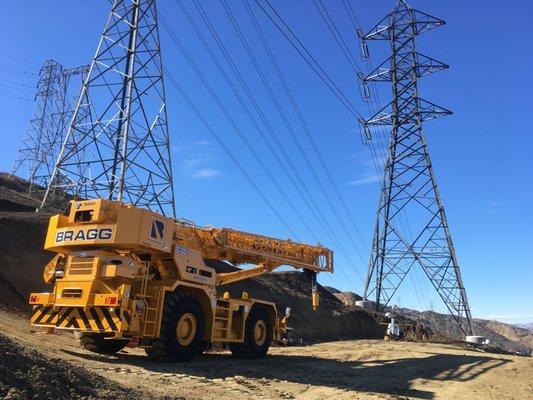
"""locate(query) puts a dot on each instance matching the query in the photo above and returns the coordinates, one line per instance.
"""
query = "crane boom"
(239, 247)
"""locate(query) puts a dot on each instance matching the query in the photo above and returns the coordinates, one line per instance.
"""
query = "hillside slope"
(509, 337)
(442, 326)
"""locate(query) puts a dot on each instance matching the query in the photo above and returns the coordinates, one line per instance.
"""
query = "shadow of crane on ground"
(392, 377)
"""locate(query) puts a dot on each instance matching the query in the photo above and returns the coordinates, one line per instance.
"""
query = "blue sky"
(481, 154)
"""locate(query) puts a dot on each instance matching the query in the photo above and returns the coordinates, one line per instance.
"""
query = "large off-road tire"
(257, 335)
(182, 329)
(97, 343)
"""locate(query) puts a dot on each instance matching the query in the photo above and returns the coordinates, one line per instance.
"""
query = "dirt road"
(365, 369)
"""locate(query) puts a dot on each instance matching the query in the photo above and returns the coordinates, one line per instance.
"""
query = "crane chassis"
(123, 275)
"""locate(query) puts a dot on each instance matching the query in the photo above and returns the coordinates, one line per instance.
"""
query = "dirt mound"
(22, 257)
(14, 194)
(348, 298)
(332, 320)
(22, 234)
(26, 374)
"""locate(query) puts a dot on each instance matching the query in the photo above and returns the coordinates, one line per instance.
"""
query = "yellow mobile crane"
(124, 275)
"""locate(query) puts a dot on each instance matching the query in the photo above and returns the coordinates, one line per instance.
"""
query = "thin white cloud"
(181, 148)
(192, 163)
(194, 147)
(365, 179)
(369, 168)
(494, 207)
(197, 159)
(205, 173)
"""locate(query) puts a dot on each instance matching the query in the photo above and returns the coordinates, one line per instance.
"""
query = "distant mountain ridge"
(512, 338)
(528, 326)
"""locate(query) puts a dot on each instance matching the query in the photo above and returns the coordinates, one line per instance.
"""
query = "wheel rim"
(260, 332)
(186, 329)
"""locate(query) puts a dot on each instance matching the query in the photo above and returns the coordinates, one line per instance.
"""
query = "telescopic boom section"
(240, 247)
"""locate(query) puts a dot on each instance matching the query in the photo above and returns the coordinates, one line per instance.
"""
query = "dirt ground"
(363, 369)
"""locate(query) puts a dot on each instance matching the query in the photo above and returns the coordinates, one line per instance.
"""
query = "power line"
(281, 113)
(7, 68)
(16, 88)
(16, 97)
(256, 106)
(373, 105)
(335, 32)
(306, 130)
(350, 12)
(305, 127)
(18, 84)
(257, 67)
(239, 98)
(233, 123)
(226, 149)
(287, 32)
(276, 103)
(18, 59)
(238, 131)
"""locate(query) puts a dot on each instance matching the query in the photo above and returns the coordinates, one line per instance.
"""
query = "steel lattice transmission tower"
(117, 145)
(409, 189)
(41, 136)
(54, 100)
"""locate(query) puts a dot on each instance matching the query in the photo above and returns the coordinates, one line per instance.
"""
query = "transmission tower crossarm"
(81, 70)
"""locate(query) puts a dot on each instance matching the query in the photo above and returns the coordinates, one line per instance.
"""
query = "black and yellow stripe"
(93, 319)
